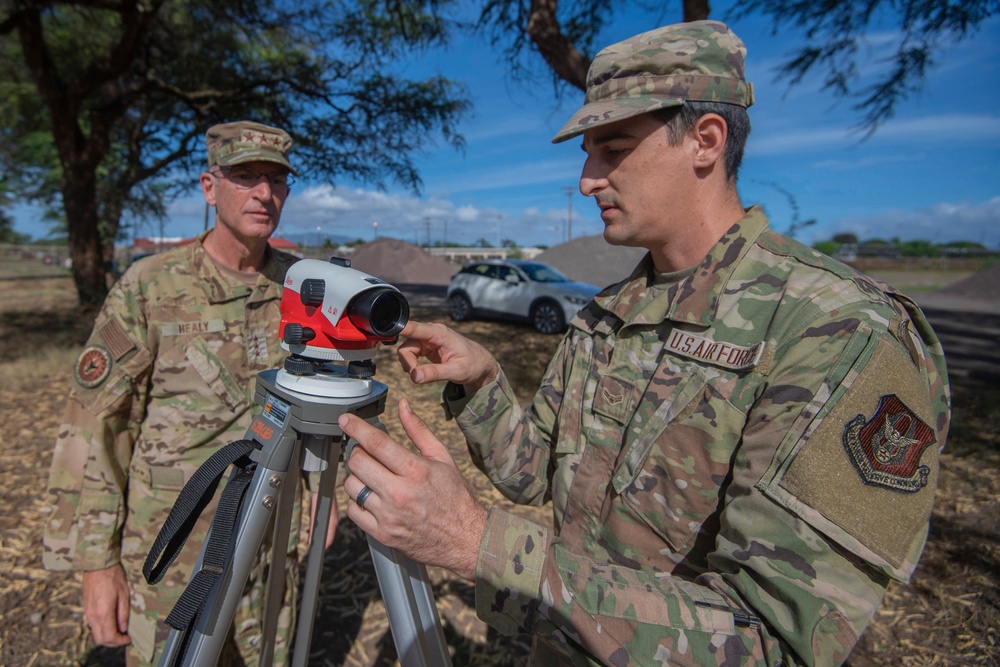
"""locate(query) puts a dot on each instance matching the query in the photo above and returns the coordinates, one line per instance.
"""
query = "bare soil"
(948, 615)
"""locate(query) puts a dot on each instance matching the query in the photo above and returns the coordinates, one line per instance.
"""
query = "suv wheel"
(547, 317)
(459, 307)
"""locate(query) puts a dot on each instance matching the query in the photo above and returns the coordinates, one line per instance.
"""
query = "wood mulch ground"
(948, 615)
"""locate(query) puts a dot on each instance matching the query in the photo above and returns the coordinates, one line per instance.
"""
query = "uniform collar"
(695, 299)
(222, 288)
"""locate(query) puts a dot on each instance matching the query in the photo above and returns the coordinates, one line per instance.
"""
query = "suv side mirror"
(512, 278)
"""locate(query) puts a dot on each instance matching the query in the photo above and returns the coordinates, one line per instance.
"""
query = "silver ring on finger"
(363, 496)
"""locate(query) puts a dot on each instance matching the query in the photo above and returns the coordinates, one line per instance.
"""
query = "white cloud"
(954, 128)
(941, 223)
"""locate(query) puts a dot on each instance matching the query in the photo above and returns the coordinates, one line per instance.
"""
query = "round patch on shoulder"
(93, 367)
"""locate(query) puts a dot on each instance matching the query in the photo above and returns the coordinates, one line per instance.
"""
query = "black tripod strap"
(195, 495)
(185, 614)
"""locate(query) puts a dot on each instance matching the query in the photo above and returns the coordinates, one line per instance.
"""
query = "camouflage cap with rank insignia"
(245, 141)
(701, 61)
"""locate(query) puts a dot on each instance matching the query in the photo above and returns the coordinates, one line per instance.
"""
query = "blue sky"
(929, 173)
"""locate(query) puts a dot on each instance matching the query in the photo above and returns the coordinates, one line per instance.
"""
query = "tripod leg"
(211, 632)
(409, 603)
(276, 579)
(330, 453)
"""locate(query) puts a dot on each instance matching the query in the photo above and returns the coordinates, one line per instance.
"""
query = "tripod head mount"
(333, 313)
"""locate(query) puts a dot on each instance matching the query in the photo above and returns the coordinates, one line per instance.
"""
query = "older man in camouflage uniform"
(740, 441)
(164, 381)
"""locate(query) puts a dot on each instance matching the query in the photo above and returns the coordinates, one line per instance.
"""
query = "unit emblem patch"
(93, 366)
(886, 449)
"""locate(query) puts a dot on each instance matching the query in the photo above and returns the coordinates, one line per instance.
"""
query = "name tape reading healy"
(735, 357)
(182, 328)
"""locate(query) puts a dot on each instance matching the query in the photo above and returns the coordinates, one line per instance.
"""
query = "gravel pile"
(591, 259)
(984, 285)
(588, 259)
(401, 263)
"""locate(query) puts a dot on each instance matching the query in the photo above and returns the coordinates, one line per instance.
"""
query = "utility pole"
(569, 212)
(427, 223)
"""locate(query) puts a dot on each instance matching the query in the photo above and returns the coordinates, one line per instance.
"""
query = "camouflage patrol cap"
(699, 61)
(245, 141)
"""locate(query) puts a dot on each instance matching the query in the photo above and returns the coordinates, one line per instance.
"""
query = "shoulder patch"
(886, 449)
(865, 470)
(93, 366)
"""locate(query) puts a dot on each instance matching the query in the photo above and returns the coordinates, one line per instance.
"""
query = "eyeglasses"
(245, 178)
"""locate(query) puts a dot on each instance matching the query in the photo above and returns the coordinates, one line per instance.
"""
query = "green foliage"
(834, 33)
(845, 238)
(103, 106)
(564, 35)
(918, 248)
(968, 245)
(827, 247)
(7, 233)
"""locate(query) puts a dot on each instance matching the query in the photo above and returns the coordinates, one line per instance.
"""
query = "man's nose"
(263, 180)
(592, 179)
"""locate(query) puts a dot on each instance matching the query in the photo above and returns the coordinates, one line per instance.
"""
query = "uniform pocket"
(672, 474)
(215, 374)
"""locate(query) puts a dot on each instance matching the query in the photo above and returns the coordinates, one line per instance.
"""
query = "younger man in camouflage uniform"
(165, 380)
(739, 441)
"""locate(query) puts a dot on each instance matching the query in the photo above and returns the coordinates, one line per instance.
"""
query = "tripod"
(299, 417)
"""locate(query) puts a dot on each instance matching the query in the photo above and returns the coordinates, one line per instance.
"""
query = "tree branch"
(564, 58)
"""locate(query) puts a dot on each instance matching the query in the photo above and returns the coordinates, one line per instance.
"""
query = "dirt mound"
(983, 285)
(591, 259)
(399, 262)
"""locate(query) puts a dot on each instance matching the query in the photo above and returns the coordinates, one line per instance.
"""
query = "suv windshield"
(542, 273)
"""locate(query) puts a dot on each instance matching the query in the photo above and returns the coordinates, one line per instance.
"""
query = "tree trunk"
(695, 10)
(85, 243)
(562, 56)
(564, 59)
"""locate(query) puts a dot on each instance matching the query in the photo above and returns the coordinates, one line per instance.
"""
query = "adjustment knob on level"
(299, 366)
(361, 369)
(312, 291)
(296, 334)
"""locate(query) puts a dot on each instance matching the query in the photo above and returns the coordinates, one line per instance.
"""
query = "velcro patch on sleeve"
(867, 472)
(117, 341)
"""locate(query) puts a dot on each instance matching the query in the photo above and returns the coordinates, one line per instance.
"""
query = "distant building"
(459, 256)
(283, 244)
(152, 245)
(850, 252)
(158, 244)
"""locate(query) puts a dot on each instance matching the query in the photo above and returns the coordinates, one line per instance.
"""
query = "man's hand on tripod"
(106, 605)
(420, 503)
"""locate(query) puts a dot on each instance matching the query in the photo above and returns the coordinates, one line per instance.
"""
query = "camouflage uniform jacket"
(166, 379)
(738, 465)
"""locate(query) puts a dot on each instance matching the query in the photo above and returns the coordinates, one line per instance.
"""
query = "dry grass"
(948, 615)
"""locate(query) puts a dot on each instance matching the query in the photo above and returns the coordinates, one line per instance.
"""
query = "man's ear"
(709, 132)
(208, 184)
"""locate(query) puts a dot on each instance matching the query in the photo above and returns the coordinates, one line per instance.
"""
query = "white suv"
(517, 289)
